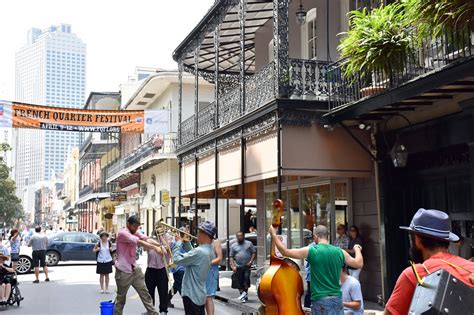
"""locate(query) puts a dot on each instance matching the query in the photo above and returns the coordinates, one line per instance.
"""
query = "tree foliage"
(10, 205)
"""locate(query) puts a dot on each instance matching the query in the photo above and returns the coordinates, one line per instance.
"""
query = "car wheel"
(24, 265)
(52, 258)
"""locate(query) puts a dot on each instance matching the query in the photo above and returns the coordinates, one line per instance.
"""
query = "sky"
(120, 34)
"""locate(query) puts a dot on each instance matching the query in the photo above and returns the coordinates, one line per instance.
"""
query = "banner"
(19, 115)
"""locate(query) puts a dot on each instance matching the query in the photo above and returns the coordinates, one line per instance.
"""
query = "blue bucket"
(107, 308)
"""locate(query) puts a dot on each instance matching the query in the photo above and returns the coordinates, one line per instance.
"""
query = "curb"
(237, 305)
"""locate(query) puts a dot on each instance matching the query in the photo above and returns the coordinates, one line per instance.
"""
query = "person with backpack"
(103, 250)
(430, 235)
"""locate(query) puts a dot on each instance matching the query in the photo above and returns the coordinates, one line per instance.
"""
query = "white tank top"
(104, 253)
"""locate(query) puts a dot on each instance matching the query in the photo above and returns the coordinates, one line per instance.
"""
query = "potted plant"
(378, 44)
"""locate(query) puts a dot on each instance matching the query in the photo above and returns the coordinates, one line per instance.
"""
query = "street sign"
(118, 196)
(164, 197)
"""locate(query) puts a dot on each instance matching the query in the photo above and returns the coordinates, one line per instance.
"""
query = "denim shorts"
(211, 282)
(328, 306)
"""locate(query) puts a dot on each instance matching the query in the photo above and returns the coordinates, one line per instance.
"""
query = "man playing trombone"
(198, 263)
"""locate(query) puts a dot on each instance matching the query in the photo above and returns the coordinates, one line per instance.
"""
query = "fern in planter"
(379, 41)
(434, 16)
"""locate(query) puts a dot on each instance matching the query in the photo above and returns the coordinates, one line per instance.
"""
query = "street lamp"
(301, 15)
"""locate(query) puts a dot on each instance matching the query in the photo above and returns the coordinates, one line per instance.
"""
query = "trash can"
(107, 308)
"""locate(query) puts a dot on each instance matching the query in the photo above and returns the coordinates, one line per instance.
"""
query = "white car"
(25, 264)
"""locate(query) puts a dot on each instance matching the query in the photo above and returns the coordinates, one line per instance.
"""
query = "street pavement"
(74, 289)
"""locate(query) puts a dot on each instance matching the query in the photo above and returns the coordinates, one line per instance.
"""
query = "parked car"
(25, 263)
(69, 246)
(307, 235)
(65, 246)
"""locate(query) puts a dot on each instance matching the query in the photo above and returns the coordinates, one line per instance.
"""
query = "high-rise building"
(50, 70)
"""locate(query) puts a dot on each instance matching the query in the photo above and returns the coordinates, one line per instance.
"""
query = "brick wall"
(365, 217)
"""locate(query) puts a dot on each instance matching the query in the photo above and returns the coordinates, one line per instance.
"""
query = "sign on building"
(164, 197)
(118, 196)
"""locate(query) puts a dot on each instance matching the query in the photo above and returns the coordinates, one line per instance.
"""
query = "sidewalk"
(230, 296)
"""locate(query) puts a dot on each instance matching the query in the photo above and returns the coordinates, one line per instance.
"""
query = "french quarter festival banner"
(20, 115)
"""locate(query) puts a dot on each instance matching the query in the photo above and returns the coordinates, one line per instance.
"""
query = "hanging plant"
(378, 40)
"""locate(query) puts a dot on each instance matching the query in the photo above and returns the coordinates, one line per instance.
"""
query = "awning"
(258, 13)
(88, 197)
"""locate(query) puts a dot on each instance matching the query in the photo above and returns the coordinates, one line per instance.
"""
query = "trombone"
(172, 230)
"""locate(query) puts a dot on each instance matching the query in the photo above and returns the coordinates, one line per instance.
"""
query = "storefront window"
(316, 202)
(341, 202)
(295, 231)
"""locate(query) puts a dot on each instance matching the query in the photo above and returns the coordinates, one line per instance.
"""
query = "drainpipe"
(380, 215)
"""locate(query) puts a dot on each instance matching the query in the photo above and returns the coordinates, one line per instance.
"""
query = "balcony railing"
(307, 79)
(148, 148)
(429, 56)
(86, 190)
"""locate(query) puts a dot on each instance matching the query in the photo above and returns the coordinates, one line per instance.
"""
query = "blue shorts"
(211, 282)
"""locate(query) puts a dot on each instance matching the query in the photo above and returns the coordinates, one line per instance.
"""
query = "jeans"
(157, 278)
(307, 297)
(328, 306)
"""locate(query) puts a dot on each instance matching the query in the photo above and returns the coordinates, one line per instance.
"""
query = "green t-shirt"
(326, 262)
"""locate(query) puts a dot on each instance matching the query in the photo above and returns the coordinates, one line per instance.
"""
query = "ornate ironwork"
(206, 149)
(281, 46)
(260, 88)
(180, 98)
(206, 119)
(187, 130)
(260, 125)
(308, 79)
(187, 157)
(228, 82)
(229, 107)
(229, 139)
(242, 14)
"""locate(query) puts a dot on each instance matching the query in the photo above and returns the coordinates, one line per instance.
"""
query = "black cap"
(133, 220)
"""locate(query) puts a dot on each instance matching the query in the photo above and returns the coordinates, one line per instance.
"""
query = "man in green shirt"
(326, 262)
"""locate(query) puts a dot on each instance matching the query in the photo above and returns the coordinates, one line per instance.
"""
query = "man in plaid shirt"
(342, 240)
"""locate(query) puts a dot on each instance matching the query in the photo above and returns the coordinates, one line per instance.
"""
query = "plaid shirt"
(342, 241)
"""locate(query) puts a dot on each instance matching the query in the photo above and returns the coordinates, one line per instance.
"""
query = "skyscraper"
(50, 70)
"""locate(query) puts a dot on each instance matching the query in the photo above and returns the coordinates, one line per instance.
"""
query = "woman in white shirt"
(103, 250)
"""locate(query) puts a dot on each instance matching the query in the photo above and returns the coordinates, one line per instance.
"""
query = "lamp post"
(301, 15)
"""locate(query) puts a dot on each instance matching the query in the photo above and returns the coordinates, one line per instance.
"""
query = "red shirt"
(401, 297)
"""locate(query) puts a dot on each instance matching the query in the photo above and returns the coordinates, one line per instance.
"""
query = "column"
(280, 46)
(216, 185)
(196, 92)
(242, 14)
(216, 72)
(180, 99)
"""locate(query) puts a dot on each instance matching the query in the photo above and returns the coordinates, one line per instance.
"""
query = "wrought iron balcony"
(307, 80)
(153, 146)
(85, 191)
(425, 58)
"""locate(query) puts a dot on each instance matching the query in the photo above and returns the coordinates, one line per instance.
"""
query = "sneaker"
(163, 313)
(47, 279)
(102, 291)
(245, 299)
(36, 281)
(242, 295)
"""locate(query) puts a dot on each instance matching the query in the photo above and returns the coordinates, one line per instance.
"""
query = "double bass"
(281, 286)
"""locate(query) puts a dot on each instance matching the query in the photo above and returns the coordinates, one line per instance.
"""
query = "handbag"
(235, 281)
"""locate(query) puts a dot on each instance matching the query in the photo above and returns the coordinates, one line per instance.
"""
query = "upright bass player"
(326, 262)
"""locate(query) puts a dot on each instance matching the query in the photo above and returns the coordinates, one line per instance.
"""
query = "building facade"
(262, 136)
(147, 171)
(96, 153)
(50, 70)
(70, 194)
